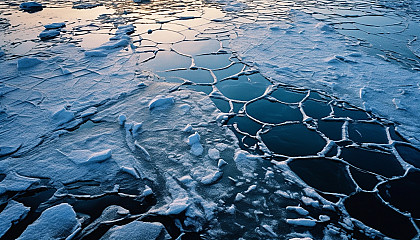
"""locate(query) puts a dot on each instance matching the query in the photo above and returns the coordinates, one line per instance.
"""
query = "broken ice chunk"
(130, 171)
(56, 222)
(324, 218)
(239, 197)
(214, 153)
(27, 62)
(188, 128)
(9, 149)
(252, 187)
(127, 29)
(269, 229)
(302, 222)
(15, 182)
(193, 139)
(96, 53)
(89, 112)
(185, 108)
(13, 213)
(136, 128)
(161, 102)
(221, 163)
(48, 34)
(31, 6)
(100, 156)
(212, 178)
(269, 174)
(245, 162)
(147, 191)
(197, 149)
(55, 25)
(299, 210)
(143, 152)
(310, 202)
(121, 119)
(137, 230)
(177, 206)
(86, 156)
(62, 116)
(324, 27)
(116, 42)
(231, 209)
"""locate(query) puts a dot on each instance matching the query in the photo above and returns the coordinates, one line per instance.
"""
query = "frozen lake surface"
(209, 120)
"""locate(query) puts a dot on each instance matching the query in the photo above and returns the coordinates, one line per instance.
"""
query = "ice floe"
(64, 217)
(138, 230)
(12, 213)
(31, 6)
(302, 222)
(27, 62)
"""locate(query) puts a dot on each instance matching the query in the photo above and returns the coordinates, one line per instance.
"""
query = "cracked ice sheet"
(161, 136)
(307, 53)
(32, 98)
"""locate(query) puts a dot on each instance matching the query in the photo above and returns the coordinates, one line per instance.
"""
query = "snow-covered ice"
(31, 6)
(55, 25)
(27, 62)
(153, 111)
(297, 209)
(57, 222)
(47, 34)
(138, 230)
(302, 222)
(13, 212)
